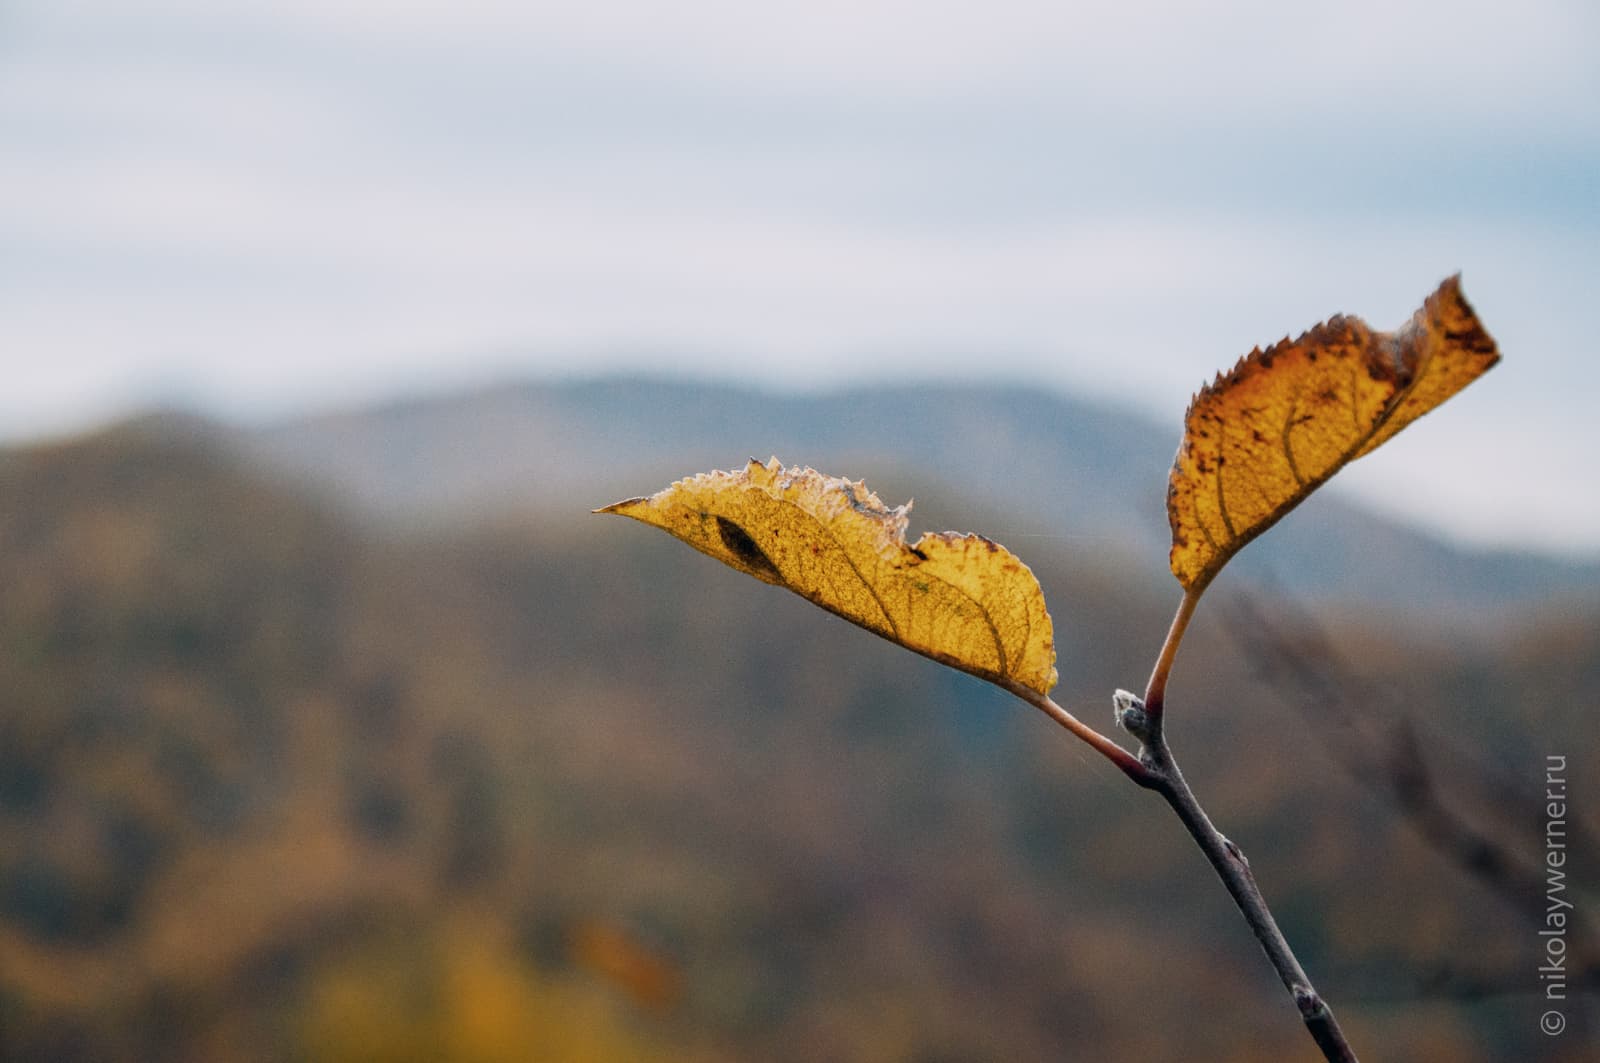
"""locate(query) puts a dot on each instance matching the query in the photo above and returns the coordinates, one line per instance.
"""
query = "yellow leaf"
(959, 599)
(1282, 421)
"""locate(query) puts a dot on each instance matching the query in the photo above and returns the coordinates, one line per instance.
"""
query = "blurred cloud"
(255, 207)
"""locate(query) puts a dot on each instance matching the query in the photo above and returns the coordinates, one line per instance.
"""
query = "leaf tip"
(1459, 322)
(623, 506)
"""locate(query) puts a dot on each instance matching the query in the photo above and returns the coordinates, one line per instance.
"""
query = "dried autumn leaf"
(959, 599)
(1282, 421)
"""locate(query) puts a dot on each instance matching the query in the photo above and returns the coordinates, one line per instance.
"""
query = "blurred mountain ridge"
(1043, 464)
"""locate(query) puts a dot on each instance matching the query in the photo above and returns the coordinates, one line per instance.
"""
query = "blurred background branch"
(1391, 745)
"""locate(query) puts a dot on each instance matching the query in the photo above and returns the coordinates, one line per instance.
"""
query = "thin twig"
(1143, 720)
(1234, 870)
(1156, 769)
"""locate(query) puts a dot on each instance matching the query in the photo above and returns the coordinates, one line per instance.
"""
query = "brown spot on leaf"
(737, 540)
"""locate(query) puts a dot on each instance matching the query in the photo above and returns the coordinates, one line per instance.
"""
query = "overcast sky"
(259, 207)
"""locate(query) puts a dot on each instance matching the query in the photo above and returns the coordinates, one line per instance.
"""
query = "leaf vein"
(1222, 501)
(1288, 444)
(848, 560)
(988, 620)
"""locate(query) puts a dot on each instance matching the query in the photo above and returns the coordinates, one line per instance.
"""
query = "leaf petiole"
(1155, 691)
(1130, 764)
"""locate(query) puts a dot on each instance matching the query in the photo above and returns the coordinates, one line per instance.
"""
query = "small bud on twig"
(1130, 713)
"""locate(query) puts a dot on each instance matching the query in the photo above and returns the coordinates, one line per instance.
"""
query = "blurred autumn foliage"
(276, 784)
